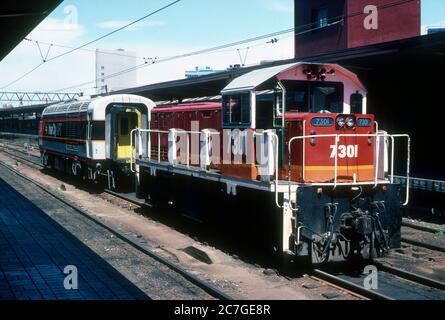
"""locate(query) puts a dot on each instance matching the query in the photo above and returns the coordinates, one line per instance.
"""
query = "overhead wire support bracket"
(44, 58)
(243, 61)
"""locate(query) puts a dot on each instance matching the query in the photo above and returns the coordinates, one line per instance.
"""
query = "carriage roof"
(96, 106)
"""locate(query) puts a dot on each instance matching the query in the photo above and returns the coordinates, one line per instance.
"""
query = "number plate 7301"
(344, 151)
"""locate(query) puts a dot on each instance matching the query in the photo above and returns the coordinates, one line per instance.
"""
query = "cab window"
(314, 97)
(236, 110)
(356, 103)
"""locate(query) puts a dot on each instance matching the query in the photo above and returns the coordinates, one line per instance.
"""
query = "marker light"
(341, 122)
(350, 122)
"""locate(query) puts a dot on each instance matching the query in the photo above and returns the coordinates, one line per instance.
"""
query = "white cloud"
(279, 5)
(51, 75)
(58, 31)
(79, 66)
(115, 24)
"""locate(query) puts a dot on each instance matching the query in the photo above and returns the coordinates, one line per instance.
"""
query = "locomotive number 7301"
(344, 151)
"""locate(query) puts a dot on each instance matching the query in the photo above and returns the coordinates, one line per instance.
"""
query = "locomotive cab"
(284, 99)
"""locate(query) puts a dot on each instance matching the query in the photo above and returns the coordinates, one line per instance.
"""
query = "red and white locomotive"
(291, 150)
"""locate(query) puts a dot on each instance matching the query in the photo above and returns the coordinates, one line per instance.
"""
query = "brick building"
(330, 25)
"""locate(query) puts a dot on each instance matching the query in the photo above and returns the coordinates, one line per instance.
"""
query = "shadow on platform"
(34, 250)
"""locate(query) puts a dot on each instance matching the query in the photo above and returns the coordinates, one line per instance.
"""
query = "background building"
(110, 62)
(433, 30)
(330, 25)
(200, 71)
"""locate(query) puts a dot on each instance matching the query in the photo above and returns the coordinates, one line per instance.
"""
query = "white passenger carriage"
(91, 137)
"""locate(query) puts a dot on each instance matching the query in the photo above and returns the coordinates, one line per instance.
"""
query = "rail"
(137, 133)
(377, 137)
(422, 184)
(189, 276)
(137, 140)
(204, 162)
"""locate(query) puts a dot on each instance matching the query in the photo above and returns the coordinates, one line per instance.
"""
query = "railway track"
(426, 228)
(392, 284)
(423, 228)
(393, 277)
(203, 285)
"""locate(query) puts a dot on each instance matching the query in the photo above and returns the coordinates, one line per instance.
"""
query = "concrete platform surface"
(34, 251)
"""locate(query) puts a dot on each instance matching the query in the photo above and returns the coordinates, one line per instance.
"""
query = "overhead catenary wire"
(330, 22)
(194, 53)
(185, 55)
(92, 41)
(114, 53)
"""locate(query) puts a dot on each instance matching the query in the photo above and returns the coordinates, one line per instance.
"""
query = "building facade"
(112, 62)
(323, 26)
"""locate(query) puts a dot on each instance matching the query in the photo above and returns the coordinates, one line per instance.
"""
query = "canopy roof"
(18, 18)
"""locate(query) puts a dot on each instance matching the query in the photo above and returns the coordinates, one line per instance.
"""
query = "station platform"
(34, 250)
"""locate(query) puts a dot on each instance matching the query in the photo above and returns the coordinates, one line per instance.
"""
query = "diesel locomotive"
(290, 149)
(287, 152)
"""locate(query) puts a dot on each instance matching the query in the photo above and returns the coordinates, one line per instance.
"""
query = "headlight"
(341, 122)
(350, 122)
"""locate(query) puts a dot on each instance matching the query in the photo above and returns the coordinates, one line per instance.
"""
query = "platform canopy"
(18, 18)
(252, 80)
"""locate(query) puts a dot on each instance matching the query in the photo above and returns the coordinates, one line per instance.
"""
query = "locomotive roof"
(252, 80)
(97, 106)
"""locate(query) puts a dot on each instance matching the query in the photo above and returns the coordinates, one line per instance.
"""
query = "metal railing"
(377, 137)
(137, 134)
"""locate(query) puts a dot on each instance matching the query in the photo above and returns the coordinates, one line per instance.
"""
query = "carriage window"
(236, 110)
(98, 131)
(54, 129)
(356, 103)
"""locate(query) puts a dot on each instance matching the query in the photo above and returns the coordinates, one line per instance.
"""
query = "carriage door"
(126, 122)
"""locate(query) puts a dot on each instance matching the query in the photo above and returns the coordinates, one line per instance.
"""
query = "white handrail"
(337, 137)
(159, 132)
(131, 148)
(276, 159)
(376, 136)
(408, 165)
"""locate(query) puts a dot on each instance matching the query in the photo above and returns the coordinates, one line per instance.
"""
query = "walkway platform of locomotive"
(34, 251)
(214, 175)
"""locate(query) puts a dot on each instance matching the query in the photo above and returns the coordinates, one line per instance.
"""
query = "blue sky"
(190, 22)
(187, 26)
(433, 12)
